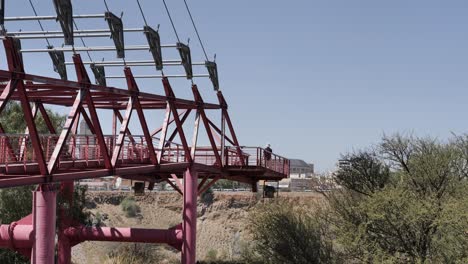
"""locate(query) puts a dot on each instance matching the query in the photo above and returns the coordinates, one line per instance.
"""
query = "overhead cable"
(196, 30)
(170, 18)
(38, 21)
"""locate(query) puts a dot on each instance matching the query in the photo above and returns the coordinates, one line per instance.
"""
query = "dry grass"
(221, 226)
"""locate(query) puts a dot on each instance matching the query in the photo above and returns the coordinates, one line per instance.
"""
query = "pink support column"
(64, 249)
(189, 224)
(44, 205)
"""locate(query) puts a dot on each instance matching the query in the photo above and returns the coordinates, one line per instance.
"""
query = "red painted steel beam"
(129, 134)
(120, 234)
(174, 186)
(10, 150)
(46, 118)
(44, 225)
(204, 118)
(162, 137)
(170, 98)
(133, 87)
(189, 224)
(207, 186)
(7, 92)
(67, 129)
(225, 113)
(87, 120)
(15, 63)
(57, 83)
(122, 132)
(220, 132)
(156, 131)
(83, 78)
(182, 121)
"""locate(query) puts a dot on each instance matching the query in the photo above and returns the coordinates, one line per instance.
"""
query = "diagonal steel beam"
(196, 127)
(123, 130)
(174, 133)
(204, 118)
(15, 64)
(162, 138)
(225, 113)
(83, 78)
(207, 186)
(10, 150)
(46, 118)
(129, 134)
(156, 131)
(220, 131)
(26, 133)
(67, 129)
(87, 120)
(170, 98)
(133, 87)
(7, 92)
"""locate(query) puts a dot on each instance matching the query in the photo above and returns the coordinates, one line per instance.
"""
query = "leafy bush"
(135, 254)
(207, 197)
(130, 207)
(414, 213)
(283, 233)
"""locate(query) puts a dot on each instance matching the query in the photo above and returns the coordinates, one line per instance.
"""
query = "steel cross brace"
(170, 99)
(225, 114)
(204, 118)
(15, 64)
(133, 87)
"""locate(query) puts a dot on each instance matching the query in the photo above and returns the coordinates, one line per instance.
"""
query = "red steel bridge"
(166, 152)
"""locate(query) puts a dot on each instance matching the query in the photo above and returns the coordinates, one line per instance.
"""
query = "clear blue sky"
(317, 78)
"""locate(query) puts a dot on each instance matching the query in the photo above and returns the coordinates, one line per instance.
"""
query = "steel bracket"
(117, 33)
(2, 12)
(186, 58)
(99, 74)
(64, 11)
(213, 72)
(154, 43)
(58, 59)
(17, 47)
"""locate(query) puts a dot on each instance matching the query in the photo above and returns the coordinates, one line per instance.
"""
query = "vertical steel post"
(44, 205)
(189, 224)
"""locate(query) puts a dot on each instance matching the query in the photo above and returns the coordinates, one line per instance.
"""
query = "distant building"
(301, 169)
(301, 176)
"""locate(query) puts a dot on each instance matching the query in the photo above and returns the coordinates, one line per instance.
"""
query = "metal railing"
(17, 149)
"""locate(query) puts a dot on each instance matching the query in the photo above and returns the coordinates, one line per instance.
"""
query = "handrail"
(16, 148)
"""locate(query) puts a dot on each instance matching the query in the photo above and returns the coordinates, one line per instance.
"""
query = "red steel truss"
(61, 157)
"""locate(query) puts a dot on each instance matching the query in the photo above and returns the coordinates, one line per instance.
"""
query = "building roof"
(298, 163)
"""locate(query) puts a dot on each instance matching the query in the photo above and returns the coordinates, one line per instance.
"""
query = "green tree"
(285, 233)
(12, 119)
(409, 205)
(16, 203)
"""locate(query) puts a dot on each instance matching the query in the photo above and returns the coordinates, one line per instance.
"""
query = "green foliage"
(364, 173)
(207, 197)
(15, 203)
(130, 207)
(417, 215)
(283, 233)
(136, 254)
(211, 255)
(12, 119)
(77, 211)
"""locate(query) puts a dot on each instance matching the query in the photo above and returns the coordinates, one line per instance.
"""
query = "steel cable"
(196, 30)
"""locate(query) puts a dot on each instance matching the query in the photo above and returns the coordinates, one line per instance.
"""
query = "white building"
(301, 169)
